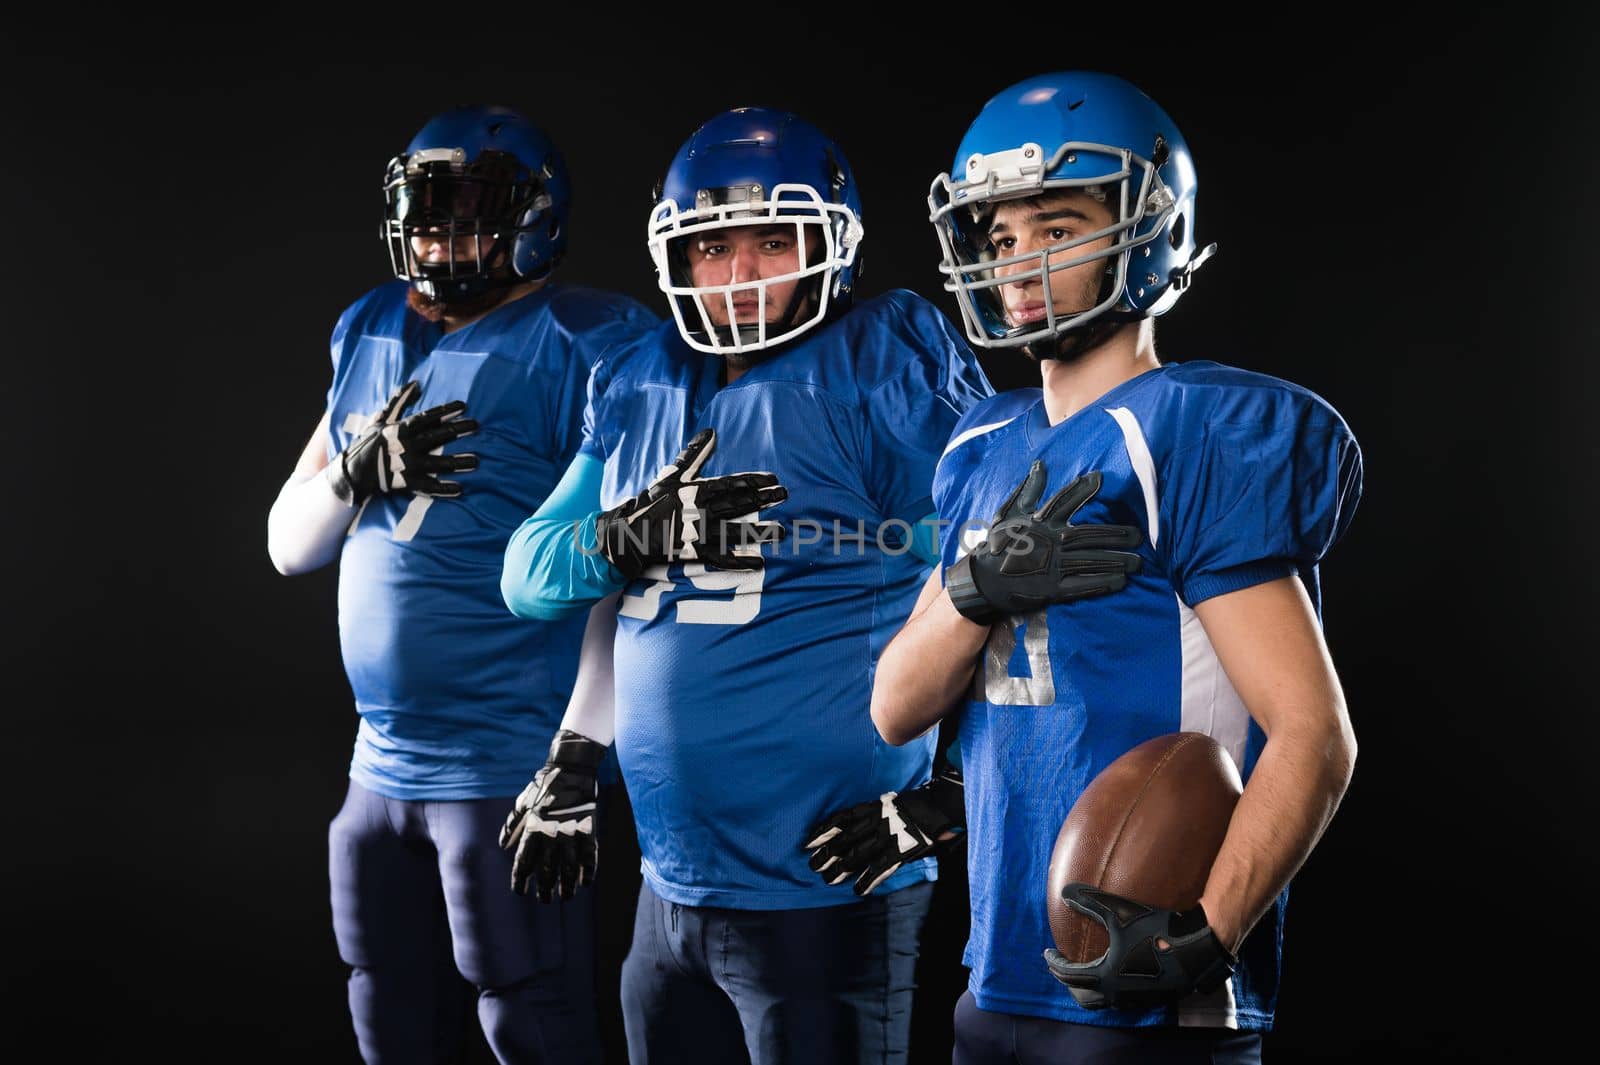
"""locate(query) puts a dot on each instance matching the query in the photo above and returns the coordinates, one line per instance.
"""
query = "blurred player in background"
(455, 696)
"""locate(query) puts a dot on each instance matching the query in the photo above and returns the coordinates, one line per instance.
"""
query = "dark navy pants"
(417, 886)
(985, 1038)
(827, 986)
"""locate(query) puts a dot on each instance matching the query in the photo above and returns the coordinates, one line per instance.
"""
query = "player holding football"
(453, 693)
(1067, 224)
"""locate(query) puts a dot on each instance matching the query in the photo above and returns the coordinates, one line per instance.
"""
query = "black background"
(1407, 223)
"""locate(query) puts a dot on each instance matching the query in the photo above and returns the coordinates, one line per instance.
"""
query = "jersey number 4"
(1000, 685)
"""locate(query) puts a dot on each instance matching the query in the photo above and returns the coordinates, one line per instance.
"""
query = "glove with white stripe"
(551, 827)
(682, 517)
(871, 840)
(393, 453)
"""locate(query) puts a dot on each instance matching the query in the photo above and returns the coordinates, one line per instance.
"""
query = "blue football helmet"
(756, 167)
(484, 173)
(1070, 130)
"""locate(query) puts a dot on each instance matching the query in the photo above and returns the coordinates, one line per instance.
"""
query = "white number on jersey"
(743, 607)
(1000, 686)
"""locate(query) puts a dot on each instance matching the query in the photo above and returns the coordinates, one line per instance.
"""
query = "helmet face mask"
(766, 170)
(1050, 136)
(826, 237)
(487, 186)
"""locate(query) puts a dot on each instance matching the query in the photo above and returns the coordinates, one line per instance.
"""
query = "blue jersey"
(1235, 479)
(742, 698)
(458, 699)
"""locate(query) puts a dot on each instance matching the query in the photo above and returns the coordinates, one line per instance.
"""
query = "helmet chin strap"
(1080, 340)
(1070, 344)
(465, 298)
(472, 293)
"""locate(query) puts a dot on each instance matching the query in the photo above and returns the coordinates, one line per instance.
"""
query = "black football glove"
(681, 517)
(1034, 557)
(1136, 972)
(393, 453)
(870, 840)
(551, 828)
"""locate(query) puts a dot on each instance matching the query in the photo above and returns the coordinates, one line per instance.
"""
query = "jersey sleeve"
(596, 408)
(931, 379)
(337, 350)
(604, 405)
(1249, 503)
(609, 328)
(341, 329)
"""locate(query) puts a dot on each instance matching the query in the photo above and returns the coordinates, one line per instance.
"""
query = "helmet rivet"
(1147, 251)
(1027, 153)
(1150, 279)
(1141, 293)
(972, 164)
(1072, 157)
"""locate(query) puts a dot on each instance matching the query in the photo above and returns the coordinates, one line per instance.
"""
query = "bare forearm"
(1291, 797)
(926, 668)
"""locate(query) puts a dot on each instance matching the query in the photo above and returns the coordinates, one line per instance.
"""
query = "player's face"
(742, 255)
(434, 247)
(1020, 227)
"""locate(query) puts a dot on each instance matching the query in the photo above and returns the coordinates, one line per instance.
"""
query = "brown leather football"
(1148, 828)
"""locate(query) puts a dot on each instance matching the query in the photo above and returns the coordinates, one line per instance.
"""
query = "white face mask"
(748, 327)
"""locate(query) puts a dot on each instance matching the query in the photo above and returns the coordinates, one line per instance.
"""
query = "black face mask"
(456, 282)
(483, 202)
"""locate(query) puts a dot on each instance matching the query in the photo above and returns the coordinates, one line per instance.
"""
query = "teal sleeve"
(925, 538)
(553, 567)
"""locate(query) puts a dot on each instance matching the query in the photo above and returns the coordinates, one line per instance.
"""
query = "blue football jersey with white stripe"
(1234, 478)
(742, 698)
(458, 698)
